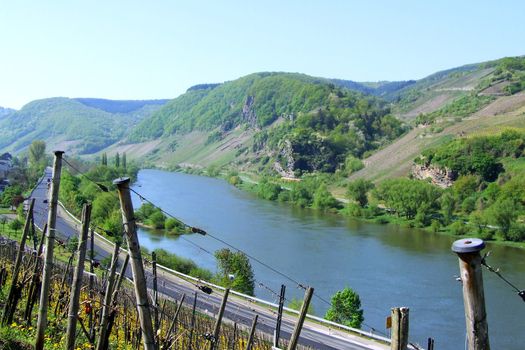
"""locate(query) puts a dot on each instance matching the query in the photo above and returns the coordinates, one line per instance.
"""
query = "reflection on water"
(387, 265)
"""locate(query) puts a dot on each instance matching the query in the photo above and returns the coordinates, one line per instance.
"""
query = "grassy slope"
(70, 125)
(439, 89)
(396, 159)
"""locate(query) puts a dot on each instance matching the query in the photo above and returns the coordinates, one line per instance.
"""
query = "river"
(386, 265)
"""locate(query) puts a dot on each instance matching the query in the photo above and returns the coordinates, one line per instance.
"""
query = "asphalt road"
(237, 310)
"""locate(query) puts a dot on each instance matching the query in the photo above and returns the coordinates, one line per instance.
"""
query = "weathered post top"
(58, 153)
(473, 295)
(468, 245)
(121, 181)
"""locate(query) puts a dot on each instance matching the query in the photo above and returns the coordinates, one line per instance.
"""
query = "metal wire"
(521, 293)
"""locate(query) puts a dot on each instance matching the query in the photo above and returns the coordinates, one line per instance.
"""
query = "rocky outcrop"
(443, 178)
(285, 157)
(248, 112)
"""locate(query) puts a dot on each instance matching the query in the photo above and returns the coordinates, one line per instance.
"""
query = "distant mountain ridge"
(80, 126)
(119, 106)
(5, 111)
(279, 121)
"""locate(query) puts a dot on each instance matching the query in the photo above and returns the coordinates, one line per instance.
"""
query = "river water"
(386, 265)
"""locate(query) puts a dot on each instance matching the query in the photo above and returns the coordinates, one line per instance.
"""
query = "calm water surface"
(388, 266)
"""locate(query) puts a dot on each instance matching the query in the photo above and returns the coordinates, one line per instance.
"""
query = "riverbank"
(458, 227)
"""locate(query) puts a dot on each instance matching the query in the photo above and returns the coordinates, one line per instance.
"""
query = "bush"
(268, 190)
(458, 228)
(174, 226)
(175, 262)
(516, 233)
(354, 210)
(435, 226)
(157, 219)
(353, 164)
(383, 220)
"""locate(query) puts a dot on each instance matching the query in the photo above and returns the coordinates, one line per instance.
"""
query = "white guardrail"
(247, 297)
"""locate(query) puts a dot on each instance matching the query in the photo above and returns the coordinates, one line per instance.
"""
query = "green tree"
(124, 165)
(346, 308)
(104, 159)
(323, 199)
(448, 204)
(144, 212)
(37, 153)
(174, 225)
(268, 190)
(157, 219)
(15, 225)
(358, 191)
(504, 213)
(409, 197)
(235, 271)
(117, 160)
(353, 164)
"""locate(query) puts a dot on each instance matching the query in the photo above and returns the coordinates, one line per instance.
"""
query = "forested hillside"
(301, 122)
(80, 126)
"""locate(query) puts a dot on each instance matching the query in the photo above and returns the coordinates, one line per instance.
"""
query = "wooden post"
(399, 328)
(91, 282)
(112, 305)
(33, 287)
(77, 279)
(48, 258)
(277, 333)
(106, 307)
(473, 295)
(156, 322)
(297, 330)
(217, 328)
(192, 325)
(173, 323)
(252, 333)
(137, 268)
(121, 275)
(10, 305)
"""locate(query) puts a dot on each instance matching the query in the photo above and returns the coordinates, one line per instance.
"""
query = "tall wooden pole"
(192, 324)
(252, 333)
(48, 258)
(107, 298)
(137, 268)
(77, 279)
(10, 305)
(297, 330)
(217, 328)
(156, 321)
(473, 295)
(91, 283)
(277, 333)
(399, 328)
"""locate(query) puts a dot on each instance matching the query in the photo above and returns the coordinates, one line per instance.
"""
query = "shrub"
(458, 228)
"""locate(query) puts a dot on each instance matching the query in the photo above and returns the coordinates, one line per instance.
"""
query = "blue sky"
(157, 49)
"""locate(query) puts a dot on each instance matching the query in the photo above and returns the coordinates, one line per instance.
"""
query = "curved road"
(237, 310)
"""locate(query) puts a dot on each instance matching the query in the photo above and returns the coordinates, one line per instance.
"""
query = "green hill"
(469, 84)
(5, 112)
(282, 121)
(76, 125)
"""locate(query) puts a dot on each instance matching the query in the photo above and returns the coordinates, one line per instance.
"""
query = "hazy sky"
(157, 49)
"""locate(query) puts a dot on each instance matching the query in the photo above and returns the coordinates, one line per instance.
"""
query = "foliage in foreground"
(346, 308)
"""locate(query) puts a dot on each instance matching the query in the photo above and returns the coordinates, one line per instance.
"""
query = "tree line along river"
(387, 265)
